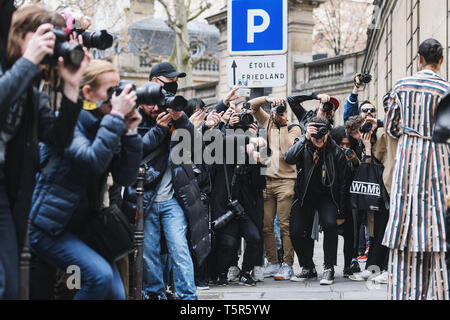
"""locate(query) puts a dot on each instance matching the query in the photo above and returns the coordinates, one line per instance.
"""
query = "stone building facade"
(398, 29)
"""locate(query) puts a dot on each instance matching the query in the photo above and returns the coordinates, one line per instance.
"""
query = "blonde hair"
(92, 72)
(28, 19)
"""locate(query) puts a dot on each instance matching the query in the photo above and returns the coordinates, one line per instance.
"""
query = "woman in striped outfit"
(415, 232)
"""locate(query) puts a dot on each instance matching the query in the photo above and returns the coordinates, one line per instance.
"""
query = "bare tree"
(341, 26)
(179, 13)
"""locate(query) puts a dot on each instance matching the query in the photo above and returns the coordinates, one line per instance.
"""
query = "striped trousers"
(411, 273)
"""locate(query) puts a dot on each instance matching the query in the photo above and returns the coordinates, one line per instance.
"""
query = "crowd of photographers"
(70, 157)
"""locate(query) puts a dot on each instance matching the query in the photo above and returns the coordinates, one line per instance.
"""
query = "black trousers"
(378, 254)
(350, 248)
(229, 238)
(301, 224)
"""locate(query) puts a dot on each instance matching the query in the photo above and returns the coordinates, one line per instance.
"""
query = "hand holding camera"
(41, 44)
(125, 102)
(163, 119)
(133, 119)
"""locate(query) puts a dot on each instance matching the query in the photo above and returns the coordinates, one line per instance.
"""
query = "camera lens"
(280, 110)
(349, 153)
(73, 54)
(98, 39)
(367, 127)
(328, 107)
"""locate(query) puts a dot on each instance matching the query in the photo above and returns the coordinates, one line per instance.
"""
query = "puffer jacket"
(335, 162)
(99, 145)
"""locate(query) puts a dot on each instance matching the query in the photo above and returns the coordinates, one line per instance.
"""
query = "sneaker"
(258, 273)
(361, 276)
(362, 258)
(306, 274)
(285, 272)
(222, 280)
(327, 277)
(246, 279)
(271, 270)
(355, 266)
(382, 278)
(233, 274)
(202, 285)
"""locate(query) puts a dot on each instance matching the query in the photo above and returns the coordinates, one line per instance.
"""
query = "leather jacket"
(335, 163)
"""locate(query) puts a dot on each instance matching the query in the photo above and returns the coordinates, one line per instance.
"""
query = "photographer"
(376, 220)
(172, 202)
(321, 185)
(349, 228)
(327, 108)
(280, 180)
(241, 199)
(70, 190)
(27, 119)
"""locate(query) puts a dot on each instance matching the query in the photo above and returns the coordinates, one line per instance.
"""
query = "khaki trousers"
(278, 198)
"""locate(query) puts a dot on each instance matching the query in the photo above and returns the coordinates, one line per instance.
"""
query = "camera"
(235, 210)
(328, 107)
(73, 54)
(101, 39)
(367, 127)
(151, 94)
(245, 119)
(365, 78)
(349, 153)
(322, 131)
(280, 110)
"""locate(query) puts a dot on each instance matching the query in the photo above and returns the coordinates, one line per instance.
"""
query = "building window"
(388, 59)
(413, 34)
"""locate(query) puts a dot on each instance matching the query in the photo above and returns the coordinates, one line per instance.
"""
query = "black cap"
(165, 69)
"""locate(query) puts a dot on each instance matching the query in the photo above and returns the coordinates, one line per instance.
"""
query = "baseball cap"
(335, 101)
(165, 69)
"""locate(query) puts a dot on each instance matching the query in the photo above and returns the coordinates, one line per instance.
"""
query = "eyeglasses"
(369, 110)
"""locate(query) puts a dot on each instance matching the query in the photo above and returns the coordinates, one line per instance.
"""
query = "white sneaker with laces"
(258, 273)
(363, 275)
(285, 272)
(271, 270)
(382, 278)
(233, 274)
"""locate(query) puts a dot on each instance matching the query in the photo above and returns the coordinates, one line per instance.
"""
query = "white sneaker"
(285, 272)
(258, 273)
(363, 275)
(271, 270)
(382, 278)
(233, 274)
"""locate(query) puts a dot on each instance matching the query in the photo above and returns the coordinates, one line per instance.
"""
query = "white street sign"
(257, 71)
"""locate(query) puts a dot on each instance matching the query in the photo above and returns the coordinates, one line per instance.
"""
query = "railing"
(326, 71)
(207, 66)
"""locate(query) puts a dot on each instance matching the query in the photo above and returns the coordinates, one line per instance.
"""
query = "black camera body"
(280, 110)
(245, 119)
(152, 93)
(328, 107)
(349, 153)
(72, 54)
(235, 210)
(322, 131)
(367, 127)
(366, 78)
(100, 39)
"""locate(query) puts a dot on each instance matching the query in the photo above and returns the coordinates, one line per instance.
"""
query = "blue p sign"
(257, 26)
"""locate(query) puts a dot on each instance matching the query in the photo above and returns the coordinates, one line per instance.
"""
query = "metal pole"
(139, 237)
(24, 269)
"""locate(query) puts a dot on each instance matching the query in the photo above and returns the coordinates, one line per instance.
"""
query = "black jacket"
(301, 154)
(39, 124)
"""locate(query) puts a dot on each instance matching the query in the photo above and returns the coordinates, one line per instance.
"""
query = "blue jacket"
(351, 107)
(98, 146)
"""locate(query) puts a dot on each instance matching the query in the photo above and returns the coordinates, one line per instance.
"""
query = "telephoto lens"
(72, 54)
(97, 39)
(367, 127)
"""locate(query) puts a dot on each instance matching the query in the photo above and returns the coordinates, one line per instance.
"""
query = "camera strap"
(227, 183)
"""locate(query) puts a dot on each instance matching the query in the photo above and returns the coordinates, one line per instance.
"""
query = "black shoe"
(222, 280)
(246, 279)
(327, 277)
(306, 274)
(202, 285)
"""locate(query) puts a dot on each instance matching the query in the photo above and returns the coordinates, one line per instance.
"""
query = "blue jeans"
(167, 217)
(9, 256)
(100, 280)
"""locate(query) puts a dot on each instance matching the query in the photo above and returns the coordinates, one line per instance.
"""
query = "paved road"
(342, 289)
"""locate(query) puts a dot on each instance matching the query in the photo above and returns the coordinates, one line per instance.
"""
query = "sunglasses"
(368, 110)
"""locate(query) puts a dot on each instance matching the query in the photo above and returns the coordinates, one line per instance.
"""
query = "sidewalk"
(342, 289)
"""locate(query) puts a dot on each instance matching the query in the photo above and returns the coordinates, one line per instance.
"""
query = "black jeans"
(301, 224)
(229, 238)
(350, 248)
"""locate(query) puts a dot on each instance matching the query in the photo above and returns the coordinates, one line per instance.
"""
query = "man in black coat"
(321, 185)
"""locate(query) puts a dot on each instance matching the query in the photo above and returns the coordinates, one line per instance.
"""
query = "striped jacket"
(421, 178)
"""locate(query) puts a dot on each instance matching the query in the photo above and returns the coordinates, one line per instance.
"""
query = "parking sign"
(257, 27)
